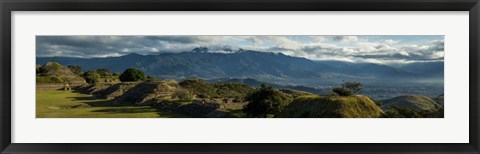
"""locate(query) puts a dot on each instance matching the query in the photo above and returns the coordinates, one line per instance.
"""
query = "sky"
(375, 49)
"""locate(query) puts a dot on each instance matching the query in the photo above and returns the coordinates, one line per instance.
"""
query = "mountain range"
(275, 68)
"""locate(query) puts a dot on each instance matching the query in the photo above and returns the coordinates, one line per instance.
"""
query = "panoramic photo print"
(247, 76)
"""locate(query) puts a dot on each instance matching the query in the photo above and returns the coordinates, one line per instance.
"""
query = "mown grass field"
(58, 104)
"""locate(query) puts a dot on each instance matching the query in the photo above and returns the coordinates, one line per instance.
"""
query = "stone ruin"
(143, 93)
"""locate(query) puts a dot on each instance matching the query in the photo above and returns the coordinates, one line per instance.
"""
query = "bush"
(75, 69)
(117, 74)
(264, 101)
(342, 91)
(354, 87)
(182, 94)
(91, 77)
(103, 71)
(150, 79)
(232, 90)
(132, 74)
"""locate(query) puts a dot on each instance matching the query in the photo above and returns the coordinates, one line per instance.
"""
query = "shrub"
(132, 74)
(103, 71)
(354, 87)
(342, 91)
(182, 94)
(266, 100)
(75, 69)
(150, 78)
(91, 77)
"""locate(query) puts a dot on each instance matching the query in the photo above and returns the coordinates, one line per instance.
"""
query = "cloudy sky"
(377, 49)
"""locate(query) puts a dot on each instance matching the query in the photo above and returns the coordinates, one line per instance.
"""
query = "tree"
(91, 77)
(103, 72)
(37, 69)
(342, 91)
(150, 78)
(132, 74)
(75, 69)
(117, 74)
(354, 87)
(182, 94)
(266, 100)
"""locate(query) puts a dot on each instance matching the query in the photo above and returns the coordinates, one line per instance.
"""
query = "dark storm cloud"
(95, 46)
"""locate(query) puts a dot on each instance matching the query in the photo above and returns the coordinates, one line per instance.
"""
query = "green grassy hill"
(413, 102)
(314, 106)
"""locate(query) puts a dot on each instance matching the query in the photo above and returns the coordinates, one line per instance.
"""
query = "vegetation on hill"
(348, 88)
(91, 77)
(402, 112)
(413, 102)
(315, 106)
(295, 93)
(53, 72)
(75, 69)
(198, 87)
(413, 106)
(202, 89)
(231, 90)
(266, 100)
(191, 96)
(132, 74)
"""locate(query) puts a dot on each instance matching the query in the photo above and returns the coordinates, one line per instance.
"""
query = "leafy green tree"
(132, 74)
(266, 100)
(91, 77)
(38, 69)
(354, 87)
(117, 74)
(182, 94)
(150, 78)
(342, 91)
(75, 69)
(104, 71)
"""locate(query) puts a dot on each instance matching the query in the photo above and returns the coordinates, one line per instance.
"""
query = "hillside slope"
(272, 67)
(356, 106)
(414, 102)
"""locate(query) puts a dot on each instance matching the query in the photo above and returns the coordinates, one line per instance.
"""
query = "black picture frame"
(7, 6)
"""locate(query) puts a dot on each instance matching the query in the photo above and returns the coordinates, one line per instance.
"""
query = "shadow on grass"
(126, 110)
(115, 108)
(82, 98)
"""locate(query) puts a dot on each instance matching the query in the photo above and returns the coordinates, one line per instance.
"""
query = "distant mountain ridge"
(276, 68)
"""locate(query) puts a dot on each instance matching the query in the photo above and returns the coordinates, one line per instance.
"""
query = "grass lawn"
(58, 104)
